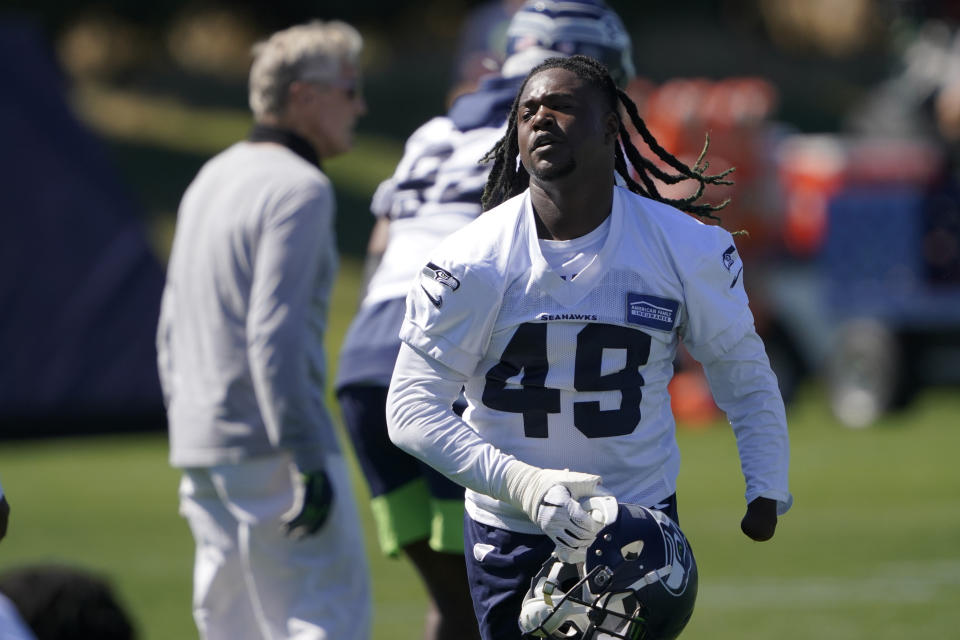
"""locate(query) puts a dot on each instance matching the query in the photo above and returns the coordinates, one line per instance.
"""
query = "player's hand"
(570, 527)
(4, 516)
(317, 503)
(761, 519)
(545, 496)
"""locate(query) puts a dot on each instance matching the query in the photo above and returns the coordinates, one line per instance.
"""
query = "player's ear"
(611, 126)
(302, 100)
(299, 92)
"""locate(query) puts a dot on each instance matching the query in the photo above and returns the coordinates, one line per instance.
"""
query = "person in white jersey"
(435, 190)
(265, 487)
(559, 311)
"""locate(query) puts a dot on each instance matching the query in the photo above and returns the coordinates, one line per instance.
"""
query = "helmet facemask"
(564, 607)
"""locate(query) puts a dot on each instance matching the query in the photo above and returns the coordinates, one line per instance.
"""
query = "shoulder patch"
(731, 262)
(433, 279)
(652, 311)
(729, 258)
(442, 276)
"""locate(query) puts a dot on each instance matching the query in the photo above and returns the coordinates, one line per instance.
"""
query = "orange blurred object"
(691, 401)
(812, 169)
(736, 113)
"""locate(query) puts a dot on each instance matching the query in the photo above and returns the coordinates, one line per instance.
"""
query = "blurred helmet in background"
(541, 28)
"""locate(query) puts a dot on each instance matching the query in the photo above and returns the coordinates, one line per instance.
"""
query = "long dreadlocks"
(508, 178)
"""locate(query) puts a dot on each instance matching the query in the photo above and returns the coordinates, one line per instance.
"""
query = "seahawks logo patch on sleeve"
(433, 279)
(731, 262)
(442, 276)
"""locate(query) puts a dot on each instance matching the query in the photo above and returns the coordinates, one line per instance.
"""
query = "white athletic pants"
(250, 580)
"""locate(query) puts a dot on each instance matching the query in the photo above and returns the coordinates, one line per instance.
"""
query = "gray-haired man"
(265, 487)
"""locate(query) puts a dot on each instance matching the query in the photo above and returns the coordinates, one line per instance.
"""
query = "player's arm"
(745, 387)
(289, 251)
(163, 346)
(293, 239)
(421, 422)
(376, 246)
(719, 332)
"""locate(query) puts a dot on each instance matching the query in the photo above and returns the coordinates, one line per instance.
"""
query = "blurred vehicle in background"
(882, 270)
(852, 244)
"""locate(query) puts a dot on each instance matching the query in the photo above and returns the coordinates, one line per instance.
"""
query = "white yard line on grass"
(892, 582)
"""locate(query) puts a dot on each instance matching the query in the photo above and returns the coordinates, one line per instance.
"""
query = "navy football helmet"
(587, 27)
(639, 582)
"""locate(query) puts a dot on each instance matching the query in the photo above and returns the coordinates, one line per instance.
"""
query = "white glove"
(550, 498)
(571, 528)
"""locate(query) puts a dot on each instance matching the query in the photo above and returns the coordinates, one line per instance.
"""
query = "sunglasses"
(351, 86)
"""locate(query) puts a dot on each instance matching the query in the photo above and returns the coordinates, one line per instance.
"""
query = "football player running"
(559, 312)
(435, 190)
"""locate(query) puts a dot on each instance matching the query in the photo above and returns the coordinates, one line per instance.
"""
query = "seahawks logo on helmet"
(678, 555)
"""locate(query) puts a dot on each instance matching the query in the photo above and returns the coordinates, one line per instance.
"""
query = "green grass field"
(870, 550)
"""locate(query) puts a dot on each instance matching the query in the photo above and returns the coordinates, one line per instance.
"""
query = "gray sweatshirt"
(240, 337)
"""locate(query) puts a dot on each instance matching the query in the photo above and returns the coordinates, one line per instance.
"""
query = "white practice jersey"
(573, 373)
(434, 191)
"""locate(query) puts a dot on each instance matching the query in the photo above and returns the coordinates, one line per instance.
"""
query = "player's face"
(562, 125)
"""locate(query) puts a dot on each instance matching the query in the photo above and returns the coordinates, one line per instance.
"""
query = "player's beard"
(554, 171)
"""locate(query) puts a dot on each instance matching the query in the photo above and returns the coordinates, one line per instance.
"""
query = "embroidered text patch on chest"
(651, 311)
